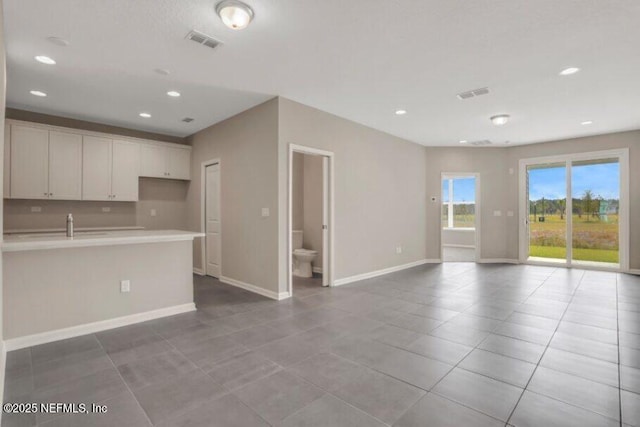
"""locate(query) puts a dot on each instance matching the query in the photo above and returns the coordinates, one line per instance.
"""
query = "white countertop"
(41, 241)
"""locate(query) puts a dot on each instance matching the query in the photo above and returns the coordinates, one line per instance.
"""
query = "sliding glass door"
(571, 210)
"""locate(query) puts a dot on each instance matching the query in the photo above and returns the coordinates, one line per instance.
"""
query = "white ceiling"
(359, 59)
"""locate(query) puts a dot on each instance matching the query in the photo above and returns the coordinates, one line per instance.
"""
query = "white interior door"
(325, 220)
(212, 220)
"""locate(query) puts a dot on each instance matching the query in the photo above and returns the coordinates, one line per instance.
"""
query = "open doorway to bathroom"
(310, 219)
(460, 218)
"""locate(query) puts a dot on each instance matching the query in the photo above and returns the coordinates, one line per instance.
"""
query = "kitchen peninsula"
(57, 287)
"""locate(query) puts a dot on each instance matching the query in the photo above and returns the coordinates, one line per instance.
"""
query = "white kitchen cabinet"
(124, 179)
(65, 166)
(110, 169)
(158, 161)
(96, 170)
(152, 161)
(6, 183)
(178, 163)
(29, 163)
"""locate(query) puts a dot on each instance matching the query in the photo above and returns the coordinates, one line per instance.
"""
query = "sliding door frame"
(622, 155)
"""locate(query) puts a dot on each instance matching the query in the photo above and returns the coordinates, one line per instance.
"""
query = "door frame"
(478, 211)
(203, 212)
(622, 154)
(328, 206)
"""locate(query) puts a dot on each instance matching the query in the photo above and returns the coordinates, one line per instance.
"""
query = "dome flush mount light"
(38, 93)
(173, 93)
(145, 115)
(45, 60)
(235, 14)
(587, 122)
(569, 71)
(500, 119)
(401, 112)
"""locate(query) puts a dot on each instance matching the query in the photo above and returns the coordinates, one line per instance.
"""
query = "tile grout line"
(619, 359)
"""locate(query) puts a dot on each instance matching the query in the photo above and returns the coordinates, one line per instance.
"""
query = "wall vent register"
(473, 93)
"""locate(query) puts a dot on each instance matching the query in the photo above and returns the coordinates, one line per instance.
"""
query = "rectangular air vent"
(203, 39)
(480, 142)
(187, 120)
(473, 93)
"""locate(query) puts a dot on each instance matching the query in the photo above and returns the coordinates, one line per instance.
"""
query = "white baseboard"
(198, 271)
(635, 271)
(498, 261)
(452, 245)
(255, 289)
(371, 274)
(317, 270)
(89, 328)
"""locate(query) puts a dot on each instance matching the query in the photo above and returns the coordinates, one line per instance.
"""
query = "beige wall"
(167, 197)
(30, 116)
(312, 225)
(629, 140)
(246, 145)
(297, 198)
(380, 199)
(491, 164)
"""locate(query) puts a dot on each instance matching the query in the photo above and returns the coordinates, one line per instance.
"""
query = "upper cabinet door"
(29, 162)
(96, 168)
(124, 181)
(152, 161)
(178, 163)
(65, 166)
(7, 162)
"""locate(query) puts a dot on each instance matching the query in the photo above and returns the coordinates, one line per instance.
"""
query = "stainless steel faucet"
(69, 225)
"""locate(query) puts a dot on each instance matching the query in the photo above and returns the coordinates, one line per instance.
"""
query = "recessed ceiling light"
(45, 60)
(234, 14)
(173, 93)
(401, 112)
(463, 141)
(587, 122)
(58, 41)
(569, 71)
(500, 119)
(38, 93)
(145, 115)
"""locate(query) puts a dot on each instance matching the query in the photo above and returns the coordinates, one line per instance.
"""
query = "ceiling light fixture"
(234, 14)
(587, 122)
(45, 60)
(463, 141)
(500, 119)
(173, 93)
(145, 115)
(569, 71)
(401, 112)
(59, 41)
(38, 93)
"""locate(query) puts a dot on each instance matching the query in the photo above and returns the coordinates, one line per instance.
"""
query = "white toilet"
(302, 258)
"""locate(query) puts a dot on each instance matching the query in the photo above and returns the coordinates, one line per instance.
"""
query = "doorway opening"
(310, 231)
(460, 217)
(574, 210)
(211, 219)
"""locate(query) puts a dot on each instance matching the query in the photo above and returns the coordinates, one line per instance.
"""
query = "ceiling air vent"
(480, 143)
(187, 119)
(203, 39)
(473, 93)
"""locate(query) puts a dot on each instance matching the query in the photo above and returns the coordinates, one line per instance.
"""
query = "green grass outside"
(599, 255)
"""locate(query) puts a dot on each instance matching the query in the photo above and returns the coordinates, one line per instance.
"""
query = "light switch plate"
(153, 212)
(265, 212)
(497, 213)
(398, 249)
(125, 286)
(106, 209)
(36, 209)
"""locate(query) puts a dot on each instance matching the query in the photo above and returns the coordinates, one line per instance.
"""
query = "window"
(459, 202)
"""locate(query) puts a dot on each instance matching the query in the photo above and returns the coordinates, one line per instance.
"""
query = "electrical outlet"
(497, 213)
(106, 209)
(153, 212)
(265, 212)
(125, 286)
(398, 249)
(36, 209)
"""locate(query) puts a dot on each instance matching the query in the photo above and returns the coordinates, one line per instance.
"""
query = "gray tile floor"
(445, 345)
